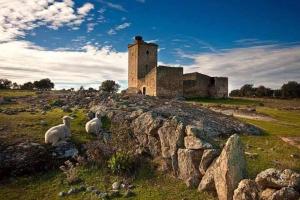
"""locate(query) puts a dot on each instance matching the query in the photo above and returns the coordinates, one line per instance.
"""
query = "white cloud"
(90, 27)
(19, 16)
(117, 28)
(23, 61)
(269, 65)
(122, 26)
(85, 9)
(113, 6)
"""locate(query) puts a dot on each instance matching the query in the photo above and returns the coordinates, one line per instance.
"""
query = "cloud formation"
(23, 61)
(19, 16)
(117, 28)
(269, 65)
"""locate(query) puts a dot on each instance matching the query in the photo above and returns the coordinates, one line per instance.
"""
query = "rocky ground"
(185, 140)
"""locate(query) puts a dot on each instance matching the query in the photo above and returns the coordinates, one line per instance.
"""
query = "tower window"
(147, 52)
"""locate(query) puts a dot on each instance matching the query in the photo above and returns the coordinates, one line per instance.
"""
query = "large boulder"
(277, 179)
(207, 158)
(247, 190)
(231, 168)
(226, 171)
(188, 162)
(286, 193)
(192, 142)
(64, 150)
(267, 193)
(171, 136)
(24, 158)
(195, 131)
(207, 182)
(145, 128)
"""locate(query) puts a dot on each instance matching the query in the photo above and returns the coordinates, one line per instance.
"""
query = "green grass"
(26, 125)
(228, 101)
(16, 93)
(271, 150)
(148, 185)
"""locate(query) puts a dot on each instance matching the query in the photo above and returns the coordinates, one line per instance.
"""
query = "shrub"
(97, 152)
(70, 171)
(121, 163)
(57, 103)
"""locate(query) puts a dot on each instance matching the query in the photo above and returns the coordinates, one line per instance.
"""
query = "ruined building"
(146, 77)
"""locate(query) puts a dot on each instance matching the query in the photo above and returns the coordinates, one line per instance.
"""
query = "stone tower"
(142, 58)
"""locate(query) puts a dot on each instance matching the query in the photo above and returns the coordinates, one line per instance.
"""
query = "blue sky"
(76, 42)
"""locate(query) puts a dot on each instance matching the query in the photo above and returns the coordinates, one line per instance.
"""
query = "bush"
(121, 163)
(70, 171)
(57, 102)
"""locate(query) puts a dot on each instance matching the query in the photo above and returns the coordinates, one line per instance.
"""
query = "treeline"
(287, 90)
(43, 84)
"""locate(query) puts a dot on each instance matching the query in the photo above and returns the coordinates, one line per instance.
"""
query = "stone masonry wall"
(195, 85)
(169, 81)
(220, 88)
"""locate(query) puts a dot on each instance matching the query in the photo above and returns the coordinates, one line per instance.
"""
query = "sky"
(84, 42)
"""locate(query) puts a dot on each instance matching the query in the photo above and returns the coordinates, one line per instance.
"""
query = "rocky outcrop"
(192, 142)
(286, 193)
(188, 162)
(207, 158)
(227, 171)
(24, 158)
(145, 128)
(267, 193)
(246, 190)
(171, 139)
(277, 179)
(231, 168)
(207, 182)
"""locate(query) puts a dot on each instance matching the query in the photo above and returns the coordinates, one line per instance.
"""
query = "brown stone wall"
(169, 82)
(142, 58)
(195, 85)
(220, 89)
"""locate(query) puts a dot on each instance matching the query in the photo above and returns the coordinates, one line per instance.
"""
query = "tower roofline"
(139, 40)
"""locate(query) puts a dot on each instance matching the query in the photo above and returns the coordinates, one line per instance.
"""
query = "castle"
(144, 76)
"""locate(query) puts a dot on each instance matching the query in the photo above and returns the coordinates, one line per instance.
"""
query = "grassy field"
(270, 149)
(16, 93)
(229, 101)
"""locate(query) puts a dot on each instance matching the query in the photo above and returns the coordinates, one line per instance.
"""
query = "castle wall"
(169, 82)
(132, 66)
(195, 85)
(220, 88)
(149, 83)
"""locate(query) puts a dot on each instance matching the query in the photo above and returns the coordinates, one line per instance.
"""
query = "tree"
(109, 86)
(247, 90)
(15, 86)
(27, 86)
(5, 84)
(290, 90)
(43, 84)
(235, 93)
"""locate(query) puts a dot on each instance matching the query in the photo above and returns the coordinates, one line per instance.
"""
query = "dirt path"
(246, 115)
(294, 141)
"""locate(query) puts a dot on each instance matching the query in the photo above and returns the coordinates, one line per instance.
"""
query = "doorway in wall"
(144, 90)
